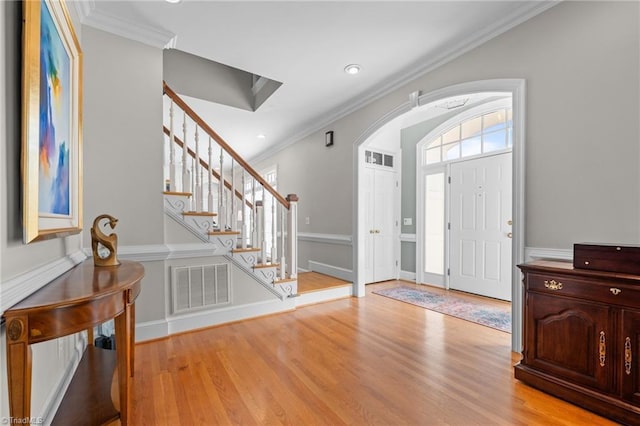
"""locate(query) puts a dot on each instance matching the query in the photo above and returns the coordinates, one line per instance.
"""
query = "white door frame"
(422, 170)
(517, 89)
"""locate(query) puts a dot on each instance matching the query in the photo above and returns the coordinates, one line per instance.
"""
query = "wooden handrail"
(204, 164)
(220, 141)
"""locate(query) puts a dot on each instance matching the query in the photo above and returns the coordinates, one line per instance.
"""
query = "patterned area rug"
(490, 316)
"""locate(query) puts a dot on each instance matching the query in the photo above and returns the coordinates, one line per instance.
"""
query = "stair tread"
(244, 250)
(266, 265)
(192, 213)
(224, 233)
(285, 280)
(183, 194)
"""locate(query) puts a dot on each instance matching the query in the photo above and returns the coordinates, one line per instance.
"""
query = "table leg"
(18, 368)
(123, 351)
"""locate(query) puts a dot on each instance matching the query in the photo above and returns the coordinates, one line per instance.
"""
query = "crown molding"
(395, 82)
(122, 27)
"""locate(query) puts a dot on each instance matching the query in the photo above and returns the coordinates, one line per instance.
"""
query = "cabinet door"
(630, 340)
(570, 339)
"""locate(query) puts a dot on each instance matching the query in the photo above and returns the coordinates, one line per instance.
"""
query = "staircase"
(223, 201)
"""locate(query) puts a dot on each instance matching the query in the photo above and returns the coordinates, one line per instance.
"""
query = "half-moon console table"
(80, 299)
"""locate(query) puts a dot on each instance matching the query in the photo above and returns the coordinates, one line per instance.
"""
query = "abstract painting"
(51, 145)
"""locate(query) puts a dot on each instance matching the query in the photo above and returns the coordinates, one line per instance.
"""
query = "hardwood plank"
(369, 360)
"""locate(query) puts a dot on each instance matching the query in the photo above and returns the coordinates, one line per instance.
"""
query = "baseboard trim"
(408, 276)
(533, 253)
(163, 328)
(334, 271)
(16, 289)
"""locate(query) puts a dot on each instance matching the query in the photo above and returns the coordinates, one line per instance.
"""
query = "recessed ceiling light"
(261, 136)
(173, 1)
(352, 69)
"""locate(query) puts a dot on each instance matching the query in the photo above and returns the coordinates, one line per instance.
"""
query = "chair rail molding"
(16, 289)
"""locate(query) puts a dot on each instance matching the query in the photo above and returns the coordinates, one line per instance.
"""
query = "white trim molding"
(407, 275)
(533, 253)
(324, 295)
(340, 239)
(408, 238)
(18, 288)
(177, 324)
(159, 252)
(333, 271)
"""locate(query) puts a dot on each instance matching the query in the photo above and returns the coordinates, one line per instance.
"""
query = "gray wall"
(580, 61)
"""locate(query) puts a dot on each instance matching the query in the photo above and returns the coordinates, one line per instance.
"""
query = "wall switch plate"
(307, 220)
(407, 221)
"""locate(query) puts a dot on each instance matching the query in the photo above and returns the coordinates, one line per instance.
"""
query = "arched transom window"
(478, 135)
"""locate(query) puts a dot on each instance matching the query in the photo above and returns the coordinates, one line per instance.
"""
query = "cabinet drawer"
(584, 288)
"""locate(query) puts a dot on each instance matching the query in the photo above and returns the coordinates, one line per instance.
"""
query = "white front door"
(380, 229)
(480, 220)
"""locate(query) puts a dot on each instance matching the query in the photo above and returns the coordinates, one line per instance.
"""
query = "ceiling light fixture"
(173, 1)
(261, 136)
(352, 69)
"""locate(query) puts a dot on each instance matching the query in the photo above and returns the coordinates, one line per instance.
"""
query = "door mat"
(487, 315)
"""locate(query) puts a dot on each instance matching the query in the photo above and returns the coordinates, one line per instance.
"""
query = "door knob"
(509, 222)
(510, 235)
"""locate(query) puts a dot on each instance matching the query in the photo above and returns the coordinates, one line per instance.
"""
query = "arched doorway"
(516, 87)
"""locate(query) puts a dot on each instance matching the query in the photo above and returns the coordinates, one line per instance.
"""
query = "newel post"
(292, 224)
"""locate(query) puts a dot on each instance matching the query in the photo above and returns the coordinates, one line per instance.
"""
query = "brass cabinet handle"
(603, 349)
(553, 285)
(627, 356)
(615, 291)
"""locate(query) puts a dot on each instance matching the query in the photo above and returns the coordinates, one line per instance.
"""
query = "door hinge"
(449, 225)
(448, 272)
(396, 263)
(397, 184)
(449, 179)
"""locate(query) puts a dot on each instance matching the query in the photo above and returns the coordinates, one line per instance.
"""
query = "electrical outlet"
(307, 220)
(407, 221)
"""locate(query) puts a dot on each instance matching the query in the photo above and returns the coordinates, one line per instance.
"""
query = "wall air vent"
(197, 287)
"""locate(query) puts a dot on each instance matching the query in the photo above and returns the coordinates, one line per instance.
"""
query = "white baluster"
(242, 216)
(274, 231)
(292, 235)
(254, 235)
(234, 219)
(197, 171)
(283, 259)
(260, 229)
(210, 170)
(193, 183)
(186, 178)
(221, 193)
(172, 152)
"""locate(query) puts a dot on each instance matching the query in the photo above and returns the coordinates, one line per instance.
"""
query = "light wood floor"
(360, 361)
(315, 281)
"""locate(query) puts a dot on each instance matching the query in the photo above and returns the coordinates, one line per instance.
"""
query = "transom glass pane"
(494, 121)
(452, 135)
(435, 142)
(471, 127)
(433, 155)
(451, 151)
(494, 141)
(471, 146)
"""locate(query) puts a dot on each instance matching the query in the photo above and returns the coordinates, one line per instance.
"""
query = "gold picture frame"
(51, 122)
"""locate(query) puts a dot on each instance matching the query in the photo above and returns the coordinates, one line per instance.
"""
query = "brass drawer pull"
(615, 291)
(553, 285)
(627, 356)
(603, 349)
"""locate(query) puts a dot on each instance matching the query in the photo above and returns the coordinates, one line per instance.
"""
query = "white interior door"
(380, 229)
(480, 220)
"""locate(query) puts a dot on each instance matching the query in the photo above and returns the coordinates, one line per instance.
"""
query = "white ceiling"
(306, 45)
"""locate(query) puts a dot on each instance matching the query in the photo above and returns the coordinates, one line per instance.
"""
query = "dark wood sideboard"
(78, 300)
(582, 337)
